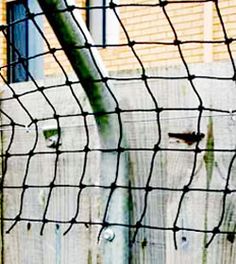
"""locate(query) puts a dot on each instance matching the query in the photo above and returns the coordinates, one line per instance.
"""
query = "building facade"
(142, 23)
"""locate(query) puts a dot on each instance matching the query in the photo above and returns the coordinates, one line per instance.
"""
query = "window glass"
(24, 41)
(17, 42)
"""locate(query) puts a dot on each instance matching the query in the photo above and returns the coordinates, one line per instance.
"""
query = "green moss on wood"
(50, 132)
(90, 260)
(209, 155)
(209, 165)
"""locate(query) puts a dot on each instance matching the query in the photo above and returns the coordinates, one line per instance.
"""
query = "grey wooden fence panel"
(24, 243)
(171, 169)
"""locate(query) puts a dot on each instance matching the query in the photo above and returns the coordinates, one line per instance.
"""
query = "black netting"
(156, 109)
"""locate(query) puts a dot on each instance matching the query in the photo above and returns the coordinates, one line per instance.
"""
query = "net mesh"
(20, 119)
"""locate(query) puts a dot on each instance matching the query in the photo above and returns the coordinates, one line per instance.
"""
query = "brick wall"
(192, 21)
(3, 48)
(228, 11)
(51, 67)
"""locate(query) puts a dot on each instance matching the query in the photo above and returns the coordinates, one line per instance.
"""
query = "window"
(24, 41)
(102, 22)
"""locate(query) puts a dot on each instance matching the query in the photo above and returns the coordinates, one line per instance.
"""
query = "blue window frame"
(24, 41)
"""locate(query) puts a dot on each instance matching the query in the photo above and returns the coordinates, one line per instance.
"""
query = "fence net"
(24, 134)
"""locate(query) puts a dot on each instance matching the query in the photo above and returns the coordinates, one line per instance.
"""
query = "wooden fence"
(200, 210)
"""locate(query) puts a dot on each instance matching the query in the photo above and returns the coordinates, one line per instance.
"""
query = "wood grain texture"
(172, 169)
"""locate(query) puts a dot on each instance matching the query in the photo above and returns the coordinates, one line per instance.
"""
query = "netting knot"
(176, 228)
(216, 230)
(186, 189)
(84, 113)
(117, 110)
(159, 109)
(73, 220)
(144, 77)
(87, 45)
(68, 82)
(71, 8)
(227, 191)
(51, 185)
(201, 108)
(25, 186)
(82, 186)
(17, 218)
(105, 224)
(30, 15)
(113, 186)
(228, 41)
(234, 77)
(3, 27)
(41, 88)
(131, 43)
(148, 189)
(177, 42)
(156, 147)
(7, 155)
(31, 153)
(15, 96)
(86, 149)
(163, 3)
(139, 224)
(112, 5)
(191, 77)
(104, 79)
(120, 149)
(52, 50)
(45, 220)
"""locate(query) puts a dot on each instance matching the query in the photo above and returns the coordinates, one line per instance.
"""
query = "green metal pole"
(71, 33)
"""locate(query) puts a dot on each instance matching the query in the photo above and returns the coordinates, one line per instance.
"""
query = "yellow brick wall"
(50, 66)
(3, 48)
(150, 24)
(228, 12)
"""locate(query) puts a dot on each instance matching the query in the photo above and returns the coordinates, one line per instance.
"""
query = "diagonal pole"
(71, 31)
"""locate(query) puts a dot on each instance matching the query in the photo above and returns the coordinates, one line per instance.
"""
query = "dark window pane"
(17, 41)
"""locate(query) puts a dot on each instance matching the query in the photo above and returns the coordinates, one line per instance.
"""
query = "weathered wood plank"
(199, 210)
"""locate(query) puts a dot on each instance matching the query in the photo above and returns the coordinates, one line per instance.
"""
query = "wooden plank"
(52, 246)
(171, 169)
